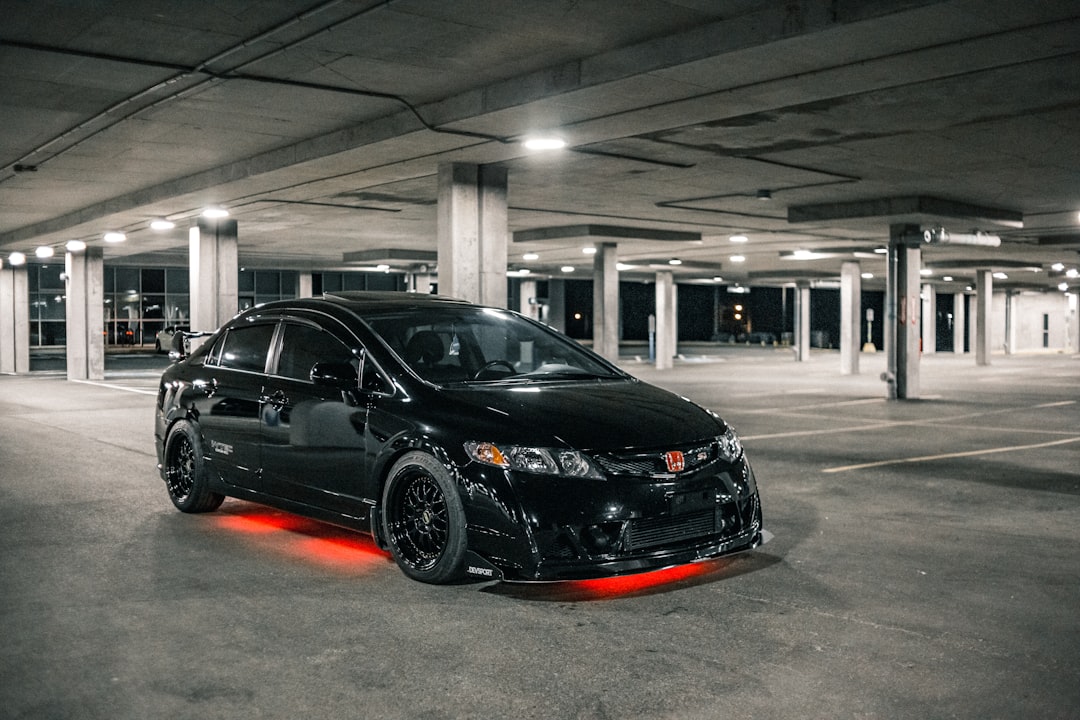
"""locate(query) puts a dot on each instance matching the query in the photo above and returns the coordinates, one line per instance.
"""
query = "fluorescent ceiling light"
(544, 143)
(589, 250)
(738, 239)
(162, 224)
(926, 272)
(114, 237)
(674, 261)
(44, 252)
(16, 259)
(623, 266)
(530, 256)
(1001, 276)
(75, 246)
(215, 213)
(738, 258)
(567, 268)
(868, 276)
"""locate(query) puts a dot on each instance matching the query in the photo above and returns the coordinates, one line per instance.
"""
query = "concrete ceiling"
(321, 125)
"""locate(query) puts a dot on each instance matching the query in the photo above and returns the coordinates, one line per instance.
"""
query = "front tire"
(423, 520)
(185, 471)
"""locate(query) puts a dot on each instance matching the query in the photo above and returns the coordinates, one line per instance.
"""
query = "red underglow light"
(302, 538)
(645, 583)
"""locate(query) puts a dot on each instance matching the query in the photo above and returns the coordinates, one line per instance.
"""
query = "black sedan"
(470, 441)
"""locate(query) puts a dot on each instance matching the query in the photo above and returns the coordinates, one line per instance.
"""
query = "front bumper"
(544, 528)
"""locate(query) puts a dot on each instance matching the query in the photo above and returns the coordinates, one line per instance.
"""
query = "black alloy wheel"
(185, 475)
(423, 520)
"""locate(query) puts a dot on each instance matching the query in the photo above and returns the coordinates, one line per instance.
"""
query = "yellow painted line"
(946, 456)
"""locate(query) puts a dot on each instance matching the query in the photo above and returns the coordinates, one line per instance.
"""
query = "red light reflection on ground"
(302, 538)
(624, 586)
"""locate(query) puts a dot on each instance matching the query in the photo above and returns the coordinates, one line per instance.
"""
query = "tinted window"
(304, 345)
(244, 348)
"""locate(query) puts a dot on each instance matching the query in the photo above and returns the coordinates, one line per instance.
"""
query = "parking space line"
(947, 456)
(141, 391)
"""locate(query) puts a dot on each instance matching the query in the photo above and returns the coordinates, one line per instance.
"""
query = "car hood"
(589, 415)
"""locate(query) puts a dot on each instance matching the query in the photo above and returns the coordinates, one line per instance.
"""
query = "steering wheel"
(494, 363)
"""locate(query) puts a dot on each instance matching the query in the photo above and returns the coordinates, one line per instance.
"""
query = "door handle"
(277, 400)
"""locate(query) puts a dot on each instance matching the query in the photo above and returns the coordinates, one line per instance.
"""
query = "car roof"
(359, 301)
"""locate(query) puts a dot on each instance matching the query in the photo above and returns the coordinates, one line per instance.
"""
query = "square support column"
(984, 293)
(214, 269)
(14, 321)
(850, 321)
(959, 320)
(527, 301)
(85, 314)
(929, 319)
(304, 285)
(802, 323)
(473, 232)
(665, 319)
(902, 311)
(606, 302)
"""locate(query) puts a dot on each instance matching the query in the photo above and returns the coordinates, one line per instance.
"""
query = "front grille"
(651, 463)
(668, 530)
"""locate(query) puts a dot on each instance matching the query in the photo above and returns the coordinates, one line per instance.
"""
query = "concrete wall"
(1027, 317)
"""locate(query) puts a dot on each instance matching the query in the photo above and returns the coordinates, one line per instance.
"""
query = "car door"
(227, 397)
(313, 435)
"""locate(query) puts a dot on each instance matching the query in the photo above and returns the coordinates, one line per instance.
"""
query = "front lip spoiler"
(659, 561)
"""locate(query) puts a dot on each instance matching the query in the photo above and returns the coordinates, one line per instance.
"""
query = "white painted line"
(946, 456)
(141, 391)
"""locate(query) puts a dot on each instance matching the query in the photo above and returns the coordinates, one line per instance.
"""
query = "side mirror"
(340, 375)
(177, 348)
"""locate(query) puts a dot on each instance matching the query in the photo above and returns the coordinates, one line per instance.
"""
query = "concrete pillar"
(303, 284)
(984, 293)
(473, 232)
(527, 299)
(606, 302)
(1011, 321)
(850, 320)
(802, 323)
(214, 269)
(1072, 323)
(85, 314)
(665, 318)
(14, 320)
(902, 310)
(929, 319)
(959, 314)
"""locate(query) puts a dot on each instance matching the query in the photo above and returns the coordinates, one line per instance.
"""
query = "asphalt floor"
(925, 564)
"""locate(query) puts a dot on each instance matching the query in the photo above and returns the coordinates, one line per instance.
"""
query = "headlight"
(730, 447)
(542, 461)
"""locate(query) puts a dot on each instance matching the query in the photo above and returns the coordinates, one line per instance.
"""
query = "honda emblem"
(675, 461)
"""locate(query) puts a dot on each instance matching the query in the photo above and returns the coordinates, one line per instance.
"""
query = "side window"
(245, 348)
(303, 345)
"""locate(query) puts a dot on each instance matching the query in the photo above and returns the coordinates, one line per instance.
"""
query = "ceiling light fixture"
(738, 239)
(1001, 276)
(544, 142)
(114, 237)
(530, 256)
(162, 224)
(738, 258)
(868, 276)
(215, 213)
(44, 251)
(567, 268)
(1063, 287)
(621, 267)
(16, 259)
(674, 261)
(764, 194)
(75, 246)
(589, 250)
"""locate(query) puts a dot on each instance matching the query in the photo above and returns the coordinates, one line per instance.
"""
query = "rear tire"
(423, 520)
(185, 471)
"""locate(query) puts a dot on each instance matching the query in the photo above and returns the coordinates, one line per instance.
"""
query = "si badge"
(675, 461)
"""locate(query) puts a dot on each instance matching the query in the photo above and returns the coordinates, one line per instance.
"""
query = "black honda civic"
(468, 440)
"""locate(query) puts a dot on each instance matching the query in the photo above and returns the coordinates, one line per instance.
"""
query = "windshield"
(457, 344)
